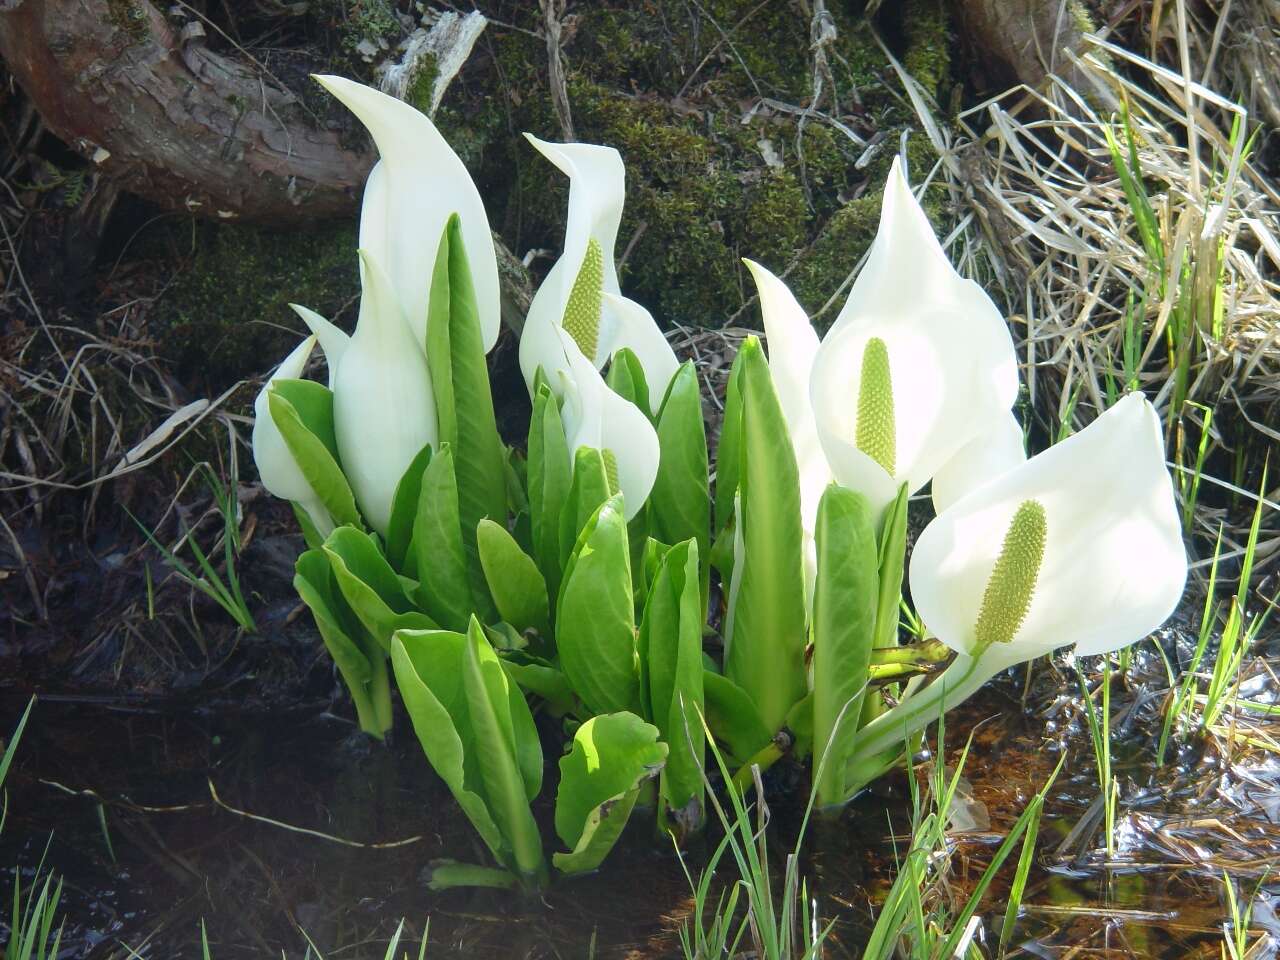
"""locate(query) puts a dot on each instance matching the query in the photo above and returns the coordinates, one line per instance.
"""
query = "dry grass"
(1180, 298)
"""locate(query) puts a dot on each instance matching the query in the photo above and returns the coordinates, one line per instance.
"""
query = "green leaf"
(444, 589)
(514, 581)
(550, 474)
(595, 615)
(429, 674)
(626, 379)
(670, 651)
(464, 400)
(303, 413)
(539, 677)
(733, 718)
(846, 591)
(310, 532)
(599, 781)
(765, 653)
(404, 508)
(354, 651)
(510, 756)
(893, 552)
(589, 489)
(679, 505)
(800, 723)
(729, 450)
(373, 590)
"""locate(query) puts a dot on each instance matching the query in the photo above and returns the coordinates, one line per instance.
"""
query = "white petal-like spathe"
(906, 264)
(951, 358)
(383, 407)
(595, 416)
(333, 341)
(980, 461)
(597, 186)
(276, 466)
(1114, 565)
(793, 346)
(409, 198)
(633, 326)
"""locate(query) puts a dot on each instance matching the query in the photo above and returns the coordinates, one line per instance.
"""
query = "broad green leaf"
(429, 674)
(354, 651)
(404, 507)
(626, 379)
(893, 551)
(444, 590)
(517, 481)
(670, 650)
(680, 506)
(765, 653)
(373, 590)
(539, 677)
(550, 474)
(464, 400)
(846, 590)
(589, 489)
(732, 717)
(599, 781)
(729, 448)
(595, 615)
(509, 756)
(515, 584)
(303, 413)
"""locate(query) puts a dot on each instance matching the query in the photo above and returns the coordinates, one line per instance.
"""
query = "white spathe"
(979, 461)
(410, 195)
(1113, 567)
(384, 410)
(793, 346)
(332, 340)
(594, 416)
(951, 359)
(277, 468)
(597, 182)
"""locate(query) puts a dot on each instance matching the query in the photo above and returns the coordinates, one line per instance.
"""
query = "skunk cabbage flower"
(384, 412)
(277, 468)
(581, 294)
(793, 345)
(1079, 545)
(979, 461)
(918, 363)
(333, 341)
(410, 195)
(595, 416)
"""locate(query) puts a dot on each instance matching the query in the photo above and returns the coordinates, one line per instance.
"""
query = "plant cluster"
(579, 578)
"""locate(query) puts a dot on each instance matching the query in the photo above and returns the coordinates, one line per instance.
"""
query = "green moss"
(422, 83)
(227, 314)
(131, 17)
(928, 56)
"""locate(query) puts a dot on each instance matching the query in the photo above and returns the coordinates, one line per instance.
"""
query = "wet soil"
(119, 798)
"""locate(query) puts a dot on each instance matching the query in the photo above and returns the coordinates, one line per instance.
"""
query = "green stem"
(927, 653)
(764, 758)
(880, 742)
(380, 695)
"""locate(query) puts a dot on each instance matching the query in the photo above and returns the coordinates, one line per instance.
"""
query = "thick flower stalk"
(581, 295)
(1080, 545)
(918, 364)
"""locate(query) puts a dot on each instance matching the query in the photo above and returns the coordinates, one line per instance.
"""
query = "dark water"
(120, 797)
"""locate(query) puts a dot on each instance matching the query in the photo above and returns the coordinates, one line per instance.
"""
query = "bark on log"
(170, 119)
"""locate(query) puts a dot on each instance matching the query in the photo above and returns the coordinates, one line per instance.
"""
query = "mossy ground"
(673, 87)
